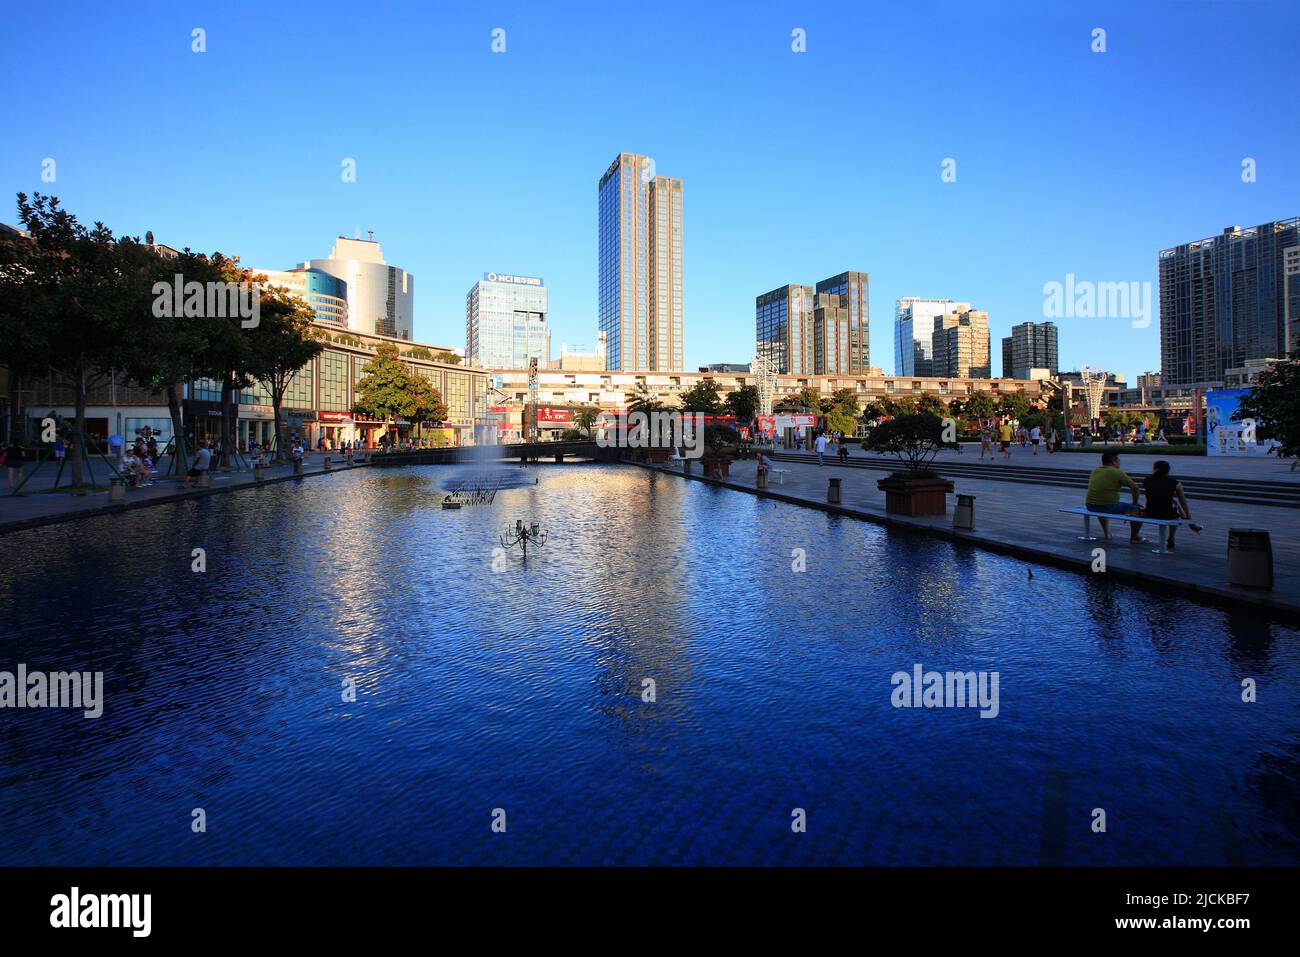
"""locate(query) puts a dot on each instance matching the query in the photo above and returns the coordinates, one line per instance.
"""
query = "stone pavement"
(1023, 520)
(35, 507)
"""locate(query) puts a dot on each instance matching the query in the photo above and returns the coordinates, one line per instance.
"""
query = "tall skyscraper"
(821, 330)
(1031, 345)
(505, 322)
(783, 320)
(960, 345)
(1223, 301)
(381, 298)
(1293, 296)
(913, 332)
(640, 255)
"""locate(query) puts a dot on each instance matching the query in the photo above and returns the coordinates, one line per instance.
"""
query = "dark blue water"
(520, 689)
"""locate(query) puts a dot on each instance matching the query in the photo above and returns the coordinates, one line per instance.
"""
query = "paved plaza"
(40, 503)
(1024, 519)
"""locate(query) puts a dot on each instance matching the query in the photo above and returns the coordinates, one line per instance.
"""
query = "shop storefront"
(336, 428)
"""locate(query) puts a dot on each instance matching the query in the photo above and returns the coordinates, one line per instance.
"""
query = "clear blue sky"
(795, 166)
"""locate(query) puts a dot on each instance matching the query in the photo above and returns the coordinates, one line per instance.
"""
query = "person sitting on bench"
(1165, 499)
(1103, 495)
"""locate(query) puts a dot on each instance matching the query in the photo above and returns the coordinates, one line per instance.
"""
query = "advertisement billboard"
(1226, 432)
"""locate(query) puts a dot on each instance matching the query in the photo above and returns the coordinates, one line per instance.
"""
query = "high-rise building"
(640, 254)
(327, 295)
(913, 332)
(960, 345)
(1031, 345)
(1293, 297)
(381, 298)
(1223, 301)
(505, 322)
(821, 330)
(783, 322)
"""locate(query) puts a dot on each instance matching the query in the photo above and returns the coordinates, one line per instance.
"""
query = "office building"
(381, 298)
(960, 345)
(1031, 345)
(1293, 298)
(914, 332)
(639, 233)
(783, 325)
(816, 330)
(1224, 301)
(506, 322)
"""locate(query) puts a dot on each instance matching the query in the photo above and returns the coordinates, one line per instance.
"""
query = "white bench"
(780, 475)
(1088, 515)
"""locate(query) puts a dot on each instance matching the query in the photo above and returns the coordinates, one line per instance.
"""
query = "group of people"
(139, 461)
(1164, 496)
(1031, 438)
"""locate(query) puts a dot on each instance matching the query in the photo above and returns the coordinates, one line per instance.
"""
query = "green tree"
(704, 396)
(914, 439)
(642, 399)
(1274, 404)
(450, 358)
(279, 346)
(73, 282)
(980, 406)
(423, 403)
(383, 391)
(1014, 405)
(743, 403)
(585, 419)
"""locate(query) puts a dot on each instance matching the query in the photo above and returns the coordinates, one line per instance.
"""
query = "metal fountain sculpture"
(522, 534)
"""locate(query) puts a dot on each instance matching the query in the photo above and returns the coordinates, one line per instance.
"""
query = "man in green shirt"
(1103, 495)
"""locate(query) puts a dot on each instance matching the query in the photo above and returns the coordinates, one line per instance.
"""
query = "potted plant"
(720, 445)
(914, 439)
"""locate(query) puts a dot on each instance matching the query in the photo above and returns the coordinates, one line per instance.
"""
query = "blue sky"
(795, 166)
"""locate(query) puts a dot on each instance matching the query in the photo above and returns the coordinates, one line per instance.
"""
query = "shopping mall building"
(318, 404)
(561, 393)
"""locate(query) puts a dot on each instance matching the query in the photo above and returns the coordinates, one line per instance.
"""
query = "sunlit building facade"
(327, 295)
(914, 321)
(381, 298)
(639, 234)
(506, 322)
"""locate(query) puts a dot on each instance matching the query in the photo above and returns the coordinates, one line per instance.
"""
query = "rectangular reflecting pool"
(680, 673)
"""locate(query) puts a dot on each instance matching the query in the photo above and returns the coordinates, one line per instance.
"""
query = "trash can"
(1250, 558)
(116, 488)
(328, 464)
(205, 479)
(297, 466)
(963, 516)
(259, 472)
(833, 491)
(762, 478)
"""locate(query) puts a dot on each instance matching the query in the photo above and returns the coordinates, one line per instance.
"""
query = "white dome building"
(381, 298)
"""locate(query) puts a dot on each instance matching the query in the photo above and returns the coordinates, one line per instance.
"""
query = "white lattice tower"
(1094, 387)
(764, 373)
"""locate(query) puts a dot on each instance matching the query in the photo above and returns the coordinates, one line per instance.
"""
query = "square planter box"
(915, 497)
(718, 468)
(658, 456)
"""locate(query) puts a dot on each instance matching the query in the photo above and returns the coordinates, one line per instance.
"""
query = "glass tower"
(505, 322)
(914, 323)
(639, 236)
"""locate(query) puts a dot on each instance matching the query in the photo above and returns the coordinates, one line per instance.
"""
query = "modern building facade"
(960, 345)
(914, 332)
(816, 330)
(1224, 301)
(639, 235)
(784, 328)
(381, 298)
(327, 295)
(608, 391)
(1031, 345)
(506, 322)
(1292, 260)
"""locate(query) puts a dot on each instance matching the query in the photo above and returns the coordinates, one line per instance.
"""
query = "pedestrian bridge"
(584, 450)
